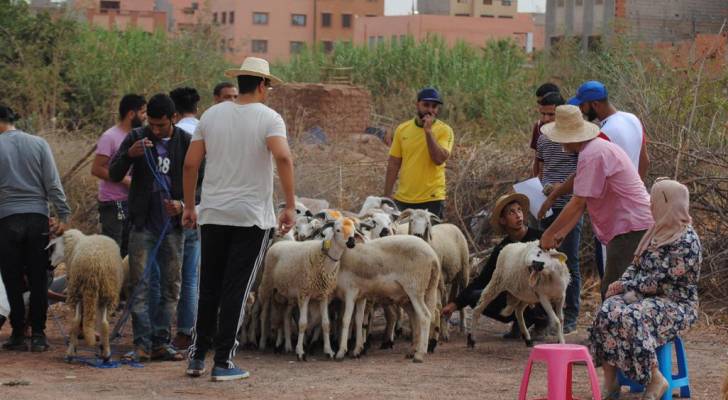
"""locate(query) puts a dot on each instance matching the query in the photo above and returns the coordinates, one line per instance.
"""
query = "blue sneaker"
(228, 374)
(196, 368)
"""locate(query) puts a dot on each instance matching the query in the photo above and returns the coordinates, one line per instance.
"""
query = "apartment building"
(120, 14)
(652, 21)
(504, 9)
(276, 29)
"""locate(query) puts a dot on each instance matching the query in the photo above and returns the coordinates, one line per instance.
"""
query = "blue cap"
(429, 94)
(589, 91)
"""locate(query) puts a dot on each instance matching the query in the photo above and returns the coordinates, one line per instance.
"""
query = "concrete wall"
(434, 7)
(670, 20)
(472, 8)
(475, 31)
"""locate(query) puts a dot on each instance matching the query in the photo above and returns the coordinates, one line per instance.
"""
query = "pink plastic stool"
(559, 358)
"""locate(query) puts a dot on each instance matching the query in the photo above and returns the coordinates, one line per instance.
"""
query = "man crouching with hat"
(240, 141)
(508, 217)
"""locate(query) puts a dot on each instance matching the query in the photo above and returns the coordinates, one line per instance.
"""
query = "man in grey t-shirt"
(28, 181)
(240, 141)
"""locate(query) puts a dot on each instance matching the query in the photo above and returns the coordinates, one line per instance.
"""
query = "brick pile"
(337, 109)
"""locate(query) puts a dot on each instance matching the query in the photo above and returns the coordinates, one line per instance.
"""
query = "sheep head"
(342, 231)
(379, 223)
(420, 223)
(61, 247)
(306, 227)
(542, 263)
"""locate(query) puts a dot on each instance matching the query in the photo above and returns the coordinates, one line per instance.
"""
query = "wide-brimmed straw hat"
(502, 202)
(254, 66)
(570, 126)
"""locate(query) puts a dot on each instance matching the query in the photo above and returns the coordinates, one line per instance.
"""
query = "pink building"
(122, 14)
(525, 29)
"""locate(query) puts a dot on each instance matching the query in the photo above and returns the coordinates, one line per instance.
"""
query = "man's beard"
(591, 115)
(136, 122)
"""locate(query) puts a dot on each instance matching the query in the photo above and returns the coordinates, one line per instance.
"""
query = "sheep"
(451, 247)
(530, 275)
(95, 274)
(304, 271)
(379, 222)
(400, 270)
(382, 203)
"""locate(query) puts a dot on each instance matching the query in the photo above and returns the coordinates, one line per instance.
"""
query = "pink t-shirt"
(616, 198)
(108, 143)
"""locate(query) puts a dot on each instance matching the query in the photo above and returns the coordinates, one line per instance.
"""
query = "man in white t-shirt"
(239, 140)
(619, 127)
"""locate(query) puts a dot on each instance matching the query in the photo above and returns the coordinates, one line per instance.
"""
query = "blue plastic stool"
(664, 360)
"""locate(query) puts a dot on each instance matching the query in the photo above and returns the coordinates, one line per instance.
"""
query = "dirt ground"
(491, 371)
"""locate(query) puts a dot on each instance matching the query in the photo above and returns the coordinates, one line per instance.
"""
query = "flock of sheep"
(334, 266)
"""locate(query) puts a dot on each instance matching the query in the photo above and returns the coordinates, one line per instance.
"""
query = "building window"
(505, 16)
(487, 16)
(328, 46)
(487, 2)
(346, 20)
(224, 17)
(232, 17)
(325, 19)
(371, 15)
(214, 18)
(506, 3)
(109, 5)
(230, 46)
(579, 3)
(560, 3)
(462, 15)
(259, 46)
(372, 41)
(598, 1)
(260, 18)
(298, 20)
(296, 47)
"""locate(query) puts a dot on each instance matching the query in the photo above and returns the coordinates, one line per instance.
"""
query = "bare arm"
(438, 155)
(193, 160)
(278, 146)
(564, 223)
(644, 162)
(537, 168)
(393, 166)
(559, 190)
(100, 169)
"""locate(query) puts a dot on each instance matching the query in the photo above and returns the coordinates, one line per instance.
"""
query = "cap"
(429, 94)
(589, 91)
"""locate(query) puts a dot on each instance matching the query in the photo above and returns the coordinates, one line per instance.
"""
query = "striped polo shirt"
(558, 165)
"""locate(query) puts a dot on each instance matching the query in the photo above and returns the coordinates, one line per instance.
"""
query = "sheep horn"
(367, 225)
(405, 215)
(435, 219)
(321, 215)
(390, 202)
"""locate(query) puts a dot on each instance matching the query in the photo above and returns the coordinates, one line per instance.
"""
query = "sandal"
(166, 353)
(138, 355)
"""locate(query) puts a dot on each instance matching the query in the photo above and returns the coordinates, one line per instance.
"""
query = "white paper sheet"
(533, 189)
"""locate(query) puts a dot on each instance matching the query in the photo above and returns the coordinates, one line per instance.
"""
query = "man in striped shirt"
(555, 167)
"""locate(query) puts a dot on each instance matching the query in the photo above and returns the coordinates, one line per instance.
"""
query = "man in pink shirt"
(113, 209)
(607, 185)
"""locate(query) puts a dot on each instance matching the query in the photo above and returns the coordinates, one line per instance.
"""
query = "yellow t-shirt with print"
(420, 180)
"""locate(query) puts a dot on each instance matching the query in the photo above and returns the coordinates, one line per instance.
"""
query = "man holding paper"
(608, 185)
(555, 167)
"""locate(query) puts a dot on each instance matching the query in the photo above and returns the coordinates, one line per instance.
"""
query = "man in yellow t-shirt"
(419, 150)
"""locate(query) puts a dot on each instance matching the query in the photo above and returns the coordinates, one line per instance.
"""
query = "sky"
(398, 7)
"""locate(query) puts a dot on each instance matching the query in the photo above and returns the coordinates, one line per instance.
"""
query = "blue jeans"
(187, 306)
(570, 247)
(151, 325)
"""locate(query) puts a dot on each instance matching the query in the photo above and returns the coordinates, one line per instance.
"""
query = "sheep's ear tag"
(561, 257)
(326, 245)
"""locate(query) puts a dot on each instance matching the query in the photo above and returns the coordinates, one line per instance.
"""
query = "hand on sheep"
(56, 227)
(549, 240)
(173, 207)
(614, 289)
(449, 309)
(189, 217)
(286, 220)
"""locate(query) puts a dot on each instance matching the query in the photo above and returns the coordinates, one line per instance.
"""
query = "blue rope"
(152, 256)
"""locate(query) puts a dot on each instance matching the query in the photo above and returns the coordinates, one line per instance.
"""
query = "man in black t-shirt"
(508, 217)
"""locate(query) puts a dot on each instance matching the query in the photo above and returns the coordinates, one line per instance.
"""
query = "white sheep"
(303, 271)
(531, 276)
(379, 222)
(399, 270)
(451, 247)
(381, 203)
(95, 273)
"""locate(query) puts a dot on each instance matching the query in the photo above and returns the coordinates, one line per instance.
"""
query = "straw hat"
(502, 202)
(570, 126)
(253, 66)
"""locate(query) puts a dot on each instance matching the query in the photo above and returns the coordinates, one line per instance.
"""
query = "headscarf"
(670, 203)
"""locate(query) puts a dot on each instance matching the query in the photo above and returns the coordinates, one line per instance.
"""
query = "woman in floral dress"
(656, 298)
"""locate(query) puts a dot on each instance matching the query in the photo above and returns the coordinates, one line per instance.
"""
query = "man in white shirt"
(239, 140)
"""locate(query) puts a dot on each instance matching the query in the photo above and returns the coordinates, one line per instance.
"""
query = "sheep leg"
(106, 352)
(361, 307)
(73, 339)
(390, 315)
(553, 319)
(445, 322)
(252, 331)
(287, 314)
(368, 316)
(302, 325)
(325, 326)
(488, 295)
(415, 332)
(522, 323)
(346, 323)
(423, 326)
(264, 325)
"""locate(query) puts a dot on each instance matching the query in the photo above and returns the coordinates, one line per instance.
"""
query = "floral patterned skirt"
(627, 335)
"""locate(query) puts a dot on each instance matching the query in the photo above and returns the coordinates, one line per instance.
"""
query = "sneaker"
(196, 368)
(228, 374)
(16, 343)
(138, 355)
(38, 343)
(165, 352)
